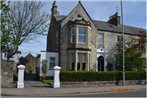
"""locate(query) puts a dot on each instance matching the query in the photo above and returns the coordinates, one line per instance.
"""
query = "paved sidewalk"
(47, 91)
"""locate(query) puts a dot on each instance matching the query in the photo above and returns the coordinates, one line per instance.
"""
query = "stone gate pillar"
(56, 77)
(20, 82)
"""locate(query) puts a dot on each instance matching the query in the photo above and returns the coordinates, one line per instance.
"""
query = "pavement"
(44, 91)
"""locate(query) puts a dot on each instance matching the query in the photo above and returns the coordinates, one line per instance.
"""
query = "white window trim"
(51, 62)
(103, 40)
(73, 34)
(77, 34)
(82, 34)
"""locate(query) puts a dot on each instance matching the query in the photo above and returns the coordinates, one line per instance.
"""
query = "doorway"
(101, 63)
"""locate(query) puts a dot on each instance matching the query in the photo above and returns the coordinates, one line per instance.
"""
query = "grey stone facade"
(79, 56)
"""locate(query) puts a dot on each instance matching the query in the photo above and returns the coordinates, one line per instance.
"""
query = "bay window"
(73, 34)
(80, 34)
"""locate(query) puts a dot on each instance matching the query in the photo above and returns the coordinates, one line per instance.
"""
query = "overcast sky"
(134, 15)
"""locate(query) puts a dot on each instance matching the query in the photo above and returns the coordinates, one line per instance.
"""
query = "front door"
(101, 63)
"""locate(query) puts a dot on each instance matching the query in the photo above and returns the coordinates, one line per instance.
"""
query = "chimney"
(114, 19)
(54, 11)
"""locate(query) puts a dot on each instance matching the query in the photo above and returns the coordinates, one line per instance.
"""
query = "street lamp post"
(123, 44)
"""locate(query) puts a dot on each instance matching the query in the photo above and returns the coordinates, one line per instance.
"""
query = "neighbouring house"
(77, 42)
(29, 61)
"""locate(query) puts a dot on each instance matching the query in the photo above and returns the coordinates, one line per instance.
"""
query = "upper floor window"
(73, 34)
(82, 35)
(101, 39)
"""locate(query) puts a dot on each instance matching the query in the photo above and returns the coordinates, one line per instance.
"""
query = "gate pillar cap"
(57, 68)
(21, 66)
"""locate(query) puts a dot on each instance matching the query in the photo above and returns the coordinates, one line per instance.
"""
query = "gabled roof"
(29, 56)
(105, 26)
(85, 11)
(76, 9)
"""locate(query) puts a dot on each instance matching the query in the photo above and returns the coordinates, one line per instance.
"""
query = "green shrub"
(47, 81)
(135, 75)
(100, 76)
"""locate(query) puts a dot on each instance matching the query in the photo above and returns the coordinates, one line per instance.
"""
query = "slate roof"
(105, 26)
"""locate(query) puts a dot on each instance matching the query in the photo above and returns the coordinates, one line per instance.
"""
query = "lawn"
(47, 81)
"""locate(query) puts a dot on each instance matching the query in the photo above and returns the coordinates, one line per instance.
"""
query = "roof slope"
(105, 26)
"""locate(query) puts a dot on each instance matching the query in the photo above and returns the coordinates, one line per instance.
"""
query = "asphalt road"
(139, 93)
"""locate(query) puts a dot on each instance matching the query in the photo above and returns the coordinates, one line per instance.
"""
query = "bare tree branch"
(27, 19)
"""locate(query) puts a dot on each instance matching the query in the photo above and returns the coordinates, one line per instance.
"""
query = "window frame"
(50, 68)
(73, 34)
(83, 35)
(102, 40)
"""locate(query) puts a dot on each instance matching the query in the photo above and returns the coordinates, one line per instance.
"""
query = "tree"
(5, 27)
(25, 20)
(44, 68)
(133, 56)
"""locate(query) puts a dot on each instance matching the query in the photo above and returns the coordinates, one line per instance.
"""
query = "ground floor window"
(83, 66)
(81, 61)
(82, 58)
(52, 62)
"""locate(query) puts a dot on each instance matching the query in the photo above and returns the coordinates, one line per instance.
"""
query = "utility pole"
(123, 50)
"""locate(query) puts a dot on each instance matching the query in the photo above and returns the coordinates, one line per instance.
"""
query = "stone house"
(30, 64)
(77, 42)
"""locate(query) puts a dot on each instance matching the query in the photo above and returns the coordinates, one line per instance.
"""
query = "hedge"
(72, 76)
